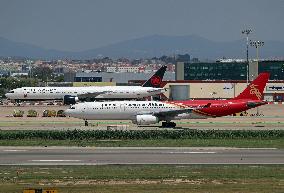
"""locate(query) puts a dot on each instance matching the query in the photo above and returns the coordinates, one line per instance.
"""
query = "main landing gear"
(168, 124)
(86, 123)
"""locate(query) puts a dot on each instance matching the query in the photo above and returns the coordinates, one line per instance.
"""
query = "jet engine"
(70, 100)
(146, 119)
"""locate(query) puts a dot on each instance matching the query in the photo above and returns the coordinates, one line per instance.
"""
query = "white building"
(131, 69)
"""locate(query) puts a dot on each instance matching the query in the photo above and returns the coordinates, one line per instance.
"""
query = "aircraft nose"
(67, 112)
(7, 95)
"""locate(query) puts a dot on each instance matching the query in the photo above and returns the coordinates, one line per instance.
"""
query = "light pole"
(247, 32)
(257, 44)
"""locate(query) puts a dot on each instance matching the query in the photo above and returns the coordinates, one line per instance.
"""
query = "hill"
(150, 46)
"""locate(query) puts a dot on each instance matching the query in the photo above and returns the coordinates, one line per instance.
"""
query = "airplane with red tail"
(71, 95)
(151, 112)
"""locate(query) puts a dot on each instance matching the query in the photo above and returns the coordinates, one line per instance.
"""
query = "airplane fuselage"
(149, 112)
(58, 93)
(71, 95)
(128, 110)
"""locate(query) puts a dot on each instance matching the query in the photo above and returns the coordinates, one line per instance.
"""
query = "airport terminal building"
(117, 78)
(197, 80)
(222, 80)
(228, 70)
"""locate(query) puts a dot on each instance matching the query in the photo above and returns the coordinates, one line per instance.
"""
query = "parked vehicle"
(32, 113)
(49, 113)
(18, 113)
(33, 190)
(60, 113)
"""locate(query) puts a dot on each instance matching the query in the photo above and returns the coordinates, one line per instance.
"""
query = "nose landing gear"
(86, 123)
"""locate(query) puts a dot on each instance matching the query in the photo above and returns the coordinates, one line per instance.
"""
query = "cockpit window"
(72, 107)
(11, 91)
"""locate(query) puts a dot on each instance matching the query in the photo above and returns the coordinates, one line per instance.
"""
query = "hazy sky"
(75, 25)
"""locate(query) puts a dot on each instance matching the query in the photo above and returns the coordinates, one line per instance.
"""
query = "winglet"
(255, 89)
(156, 80)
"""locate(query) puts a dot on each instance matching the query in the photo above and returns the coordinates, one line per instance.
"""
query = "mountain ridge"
(149, 46)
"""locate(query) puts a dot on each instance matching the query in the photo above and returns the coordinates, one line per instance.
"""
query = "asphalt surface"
(144, 155)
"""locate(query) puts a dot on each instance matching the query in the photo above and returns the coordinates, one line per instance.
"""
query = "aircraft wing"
(172, 113)
(157, 89)
(92, 94)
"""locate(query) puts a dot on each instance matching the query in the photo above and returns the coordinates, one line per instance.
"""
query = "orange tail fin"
(254, 91)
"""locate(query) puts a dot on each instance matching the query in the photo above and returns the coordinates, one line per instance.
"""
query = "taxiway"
(137, 155)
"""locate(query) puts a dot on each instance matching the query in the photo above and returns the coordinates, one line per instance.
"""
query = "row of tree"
(10, 83)
(39, 74)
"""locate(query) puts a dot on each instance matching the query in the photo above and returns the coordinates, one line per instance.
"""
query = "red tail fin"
(156, 80)
(255, 89)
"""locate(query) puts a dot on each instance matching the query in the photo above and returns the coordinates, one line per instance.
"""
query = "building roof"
(123, 77)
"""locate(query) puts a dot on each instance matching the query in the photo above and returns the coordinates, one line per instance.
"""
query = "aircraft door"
(122, 107)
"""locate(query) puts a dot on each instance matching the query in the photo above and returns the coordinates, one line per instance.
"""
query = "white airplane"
(150, 112)
(139, 112)
(71, 95)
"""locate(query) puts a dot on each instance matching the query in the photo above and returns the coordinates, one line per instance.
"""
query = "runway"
(137, 155)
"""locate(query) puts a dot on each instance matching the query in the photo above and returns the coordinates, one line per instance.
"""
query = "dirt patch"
(125, 182)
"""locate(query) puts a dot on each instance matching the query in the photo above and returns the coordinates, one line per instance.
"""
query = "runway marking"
(14, 150)
(46, 160)
(192, 152)
(121, 163)
(182, 148)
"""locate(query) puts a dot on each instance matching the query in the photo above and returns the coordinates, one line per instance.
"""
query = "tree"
(10, 83)
(59, 78)
(43, 72)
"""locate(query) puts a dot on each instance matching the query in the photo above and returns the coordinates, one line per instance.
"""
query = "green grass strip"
(139, 134)
(145, 178)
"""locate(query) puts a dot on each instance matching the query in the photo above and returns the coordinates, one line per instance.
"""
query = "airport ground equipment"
(32, 113)
(49, 113)
(60, 113)
(33, 190)
(18, 113)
